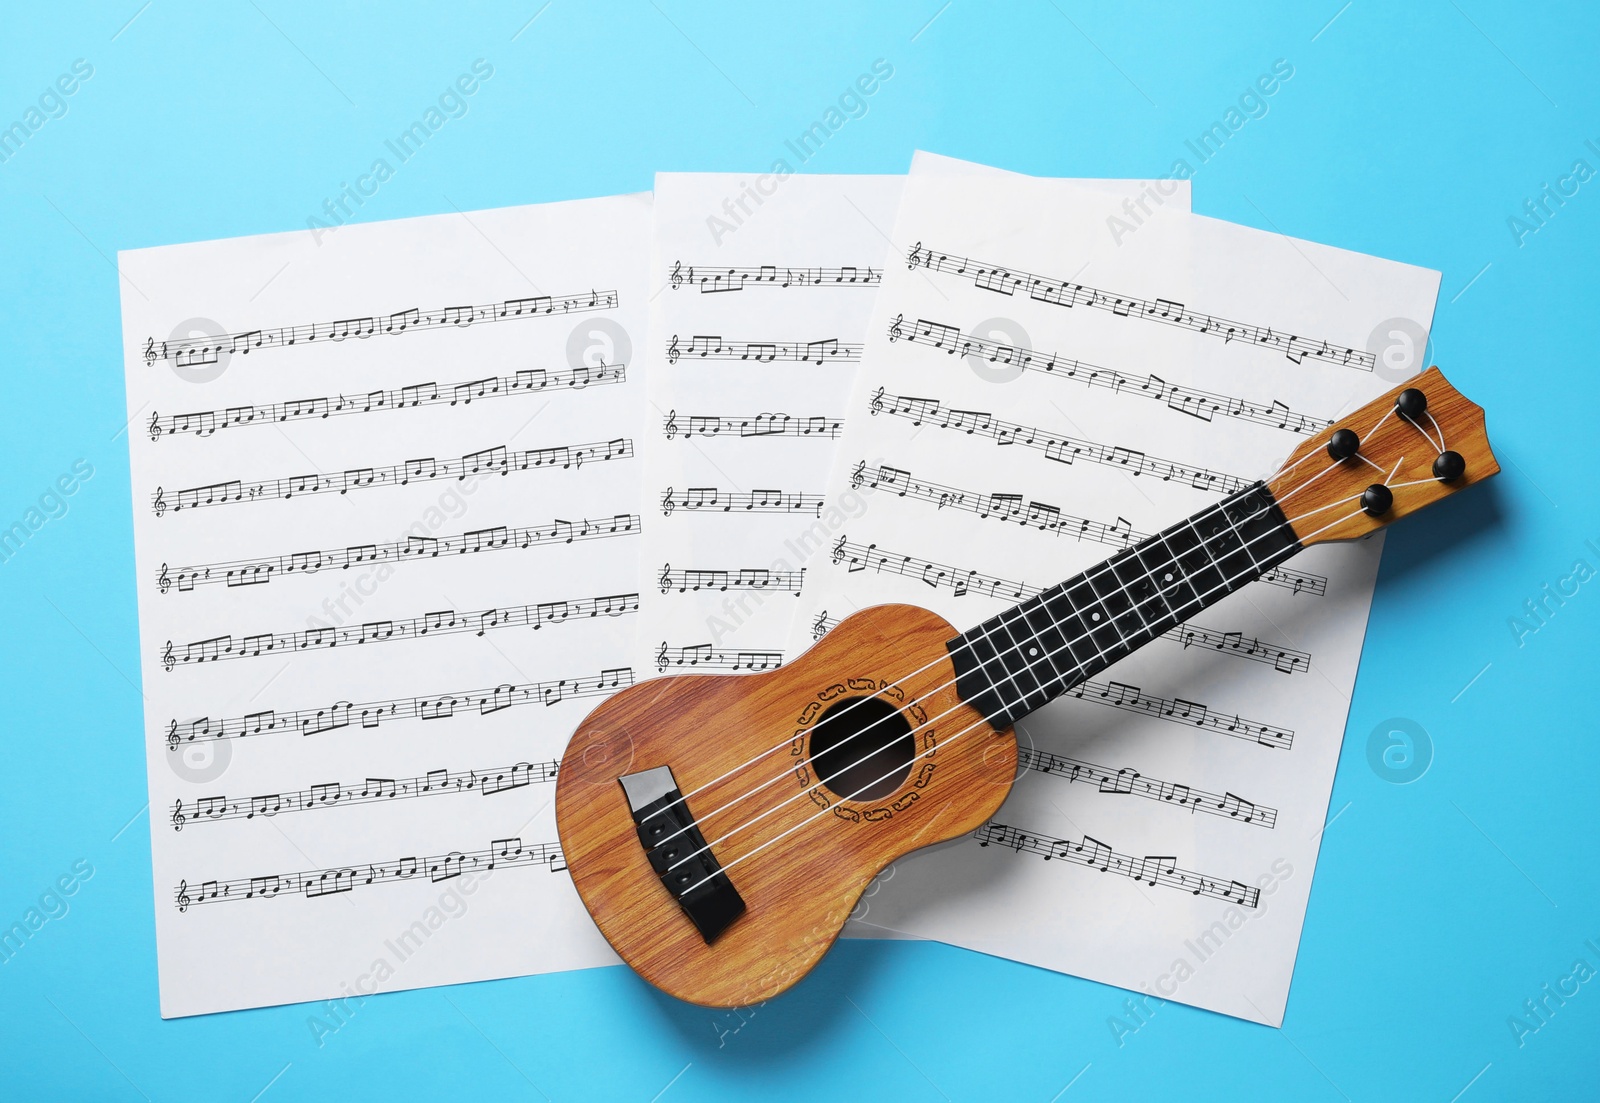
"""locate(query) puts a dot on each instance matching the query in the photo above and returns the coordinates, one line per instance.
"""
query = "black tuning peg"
(1343, 444)
(1376, 500)
(1449, 467)
(1411, 403)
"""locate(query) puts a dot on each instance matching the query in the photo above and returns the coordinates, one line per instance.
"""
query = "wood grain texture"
(1320, 511)
(823, 851)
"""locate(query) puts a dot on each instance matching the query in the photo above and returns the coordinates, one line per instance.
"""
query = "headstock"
(1387, 460)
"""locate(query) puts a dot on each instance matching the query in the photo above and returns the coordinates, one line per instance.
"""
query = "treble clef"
(661, 656)
(160, 503)
(819, 627)
(178, 818)
(666, 502)
(877, 402)
(838, 549)
(914, 256)
(166, 658)
(677, 274)
(155, 426)
(149, 350)
(172, 735)
(183, 896)
(164, 582)
(672, 350)
(858, 476)
(672, 424)
(665, 581)
(894, 327)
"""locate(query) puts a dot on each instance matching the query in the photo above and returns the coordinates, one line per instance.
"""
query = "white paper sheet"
(1170, 713)
(350, 788)
(766, 285)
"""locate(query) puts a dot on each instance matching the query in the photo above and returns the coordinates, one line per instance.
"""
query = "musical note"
(1238, 808)
(564, 456)
(1059, 292)
(713, 658)
(205, 349)
(1203, 405)
(764, 352)
(486, 780)
(713, 280)
(438, 624)
(712, 499)
(205, 423)
(817, 427)
(329, 882)
(1287, 660)
(254, 572)
(372, 714)
(1178, 711)
(1058, 447)
(748, 578)
(1096, 855)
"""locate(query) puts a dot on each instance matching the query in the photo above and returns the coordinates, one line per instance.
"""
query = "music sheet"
(765, 289)
(1172, 358)
(386, 524)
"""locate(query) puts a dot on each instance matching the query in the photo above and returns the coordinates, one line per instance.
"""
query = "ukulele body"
(797, 853)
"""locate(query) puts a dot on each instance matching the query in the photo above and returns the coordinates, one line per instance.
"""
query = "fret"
(1233, 517)
(1017, 661)
(1199, 570)
(1080, 646)
(1136, 583)
(977, 664)
(1210, 578)
(1114, 598)
(1022, 653)
(1164, 581)
(1177, 583)
(1054, 640)
(1262, 529)
(1222, 544)
(1109, 642)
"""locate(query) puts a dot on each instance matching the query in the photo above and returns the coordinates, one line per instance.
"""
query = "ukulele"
(720, 828)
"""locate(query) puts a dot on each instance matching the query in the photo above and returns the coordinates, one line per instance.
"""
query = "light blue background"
(1439, 906)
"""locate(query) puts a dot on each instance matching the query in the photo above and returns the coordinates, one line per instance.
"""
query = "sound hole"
(862, 748)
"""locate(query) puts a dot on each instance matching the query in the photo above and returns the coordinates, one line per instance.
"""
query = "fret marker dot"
(1033, 652)
(1167, 577)
(1094, 616)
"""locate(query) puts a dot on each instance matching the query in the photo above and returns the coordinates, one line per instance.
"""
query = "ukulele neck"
(1015, 662)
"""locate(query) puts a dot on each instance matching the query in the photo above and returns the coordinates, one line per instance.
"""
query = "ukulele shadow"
(785, 1026)
(1448, 528)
